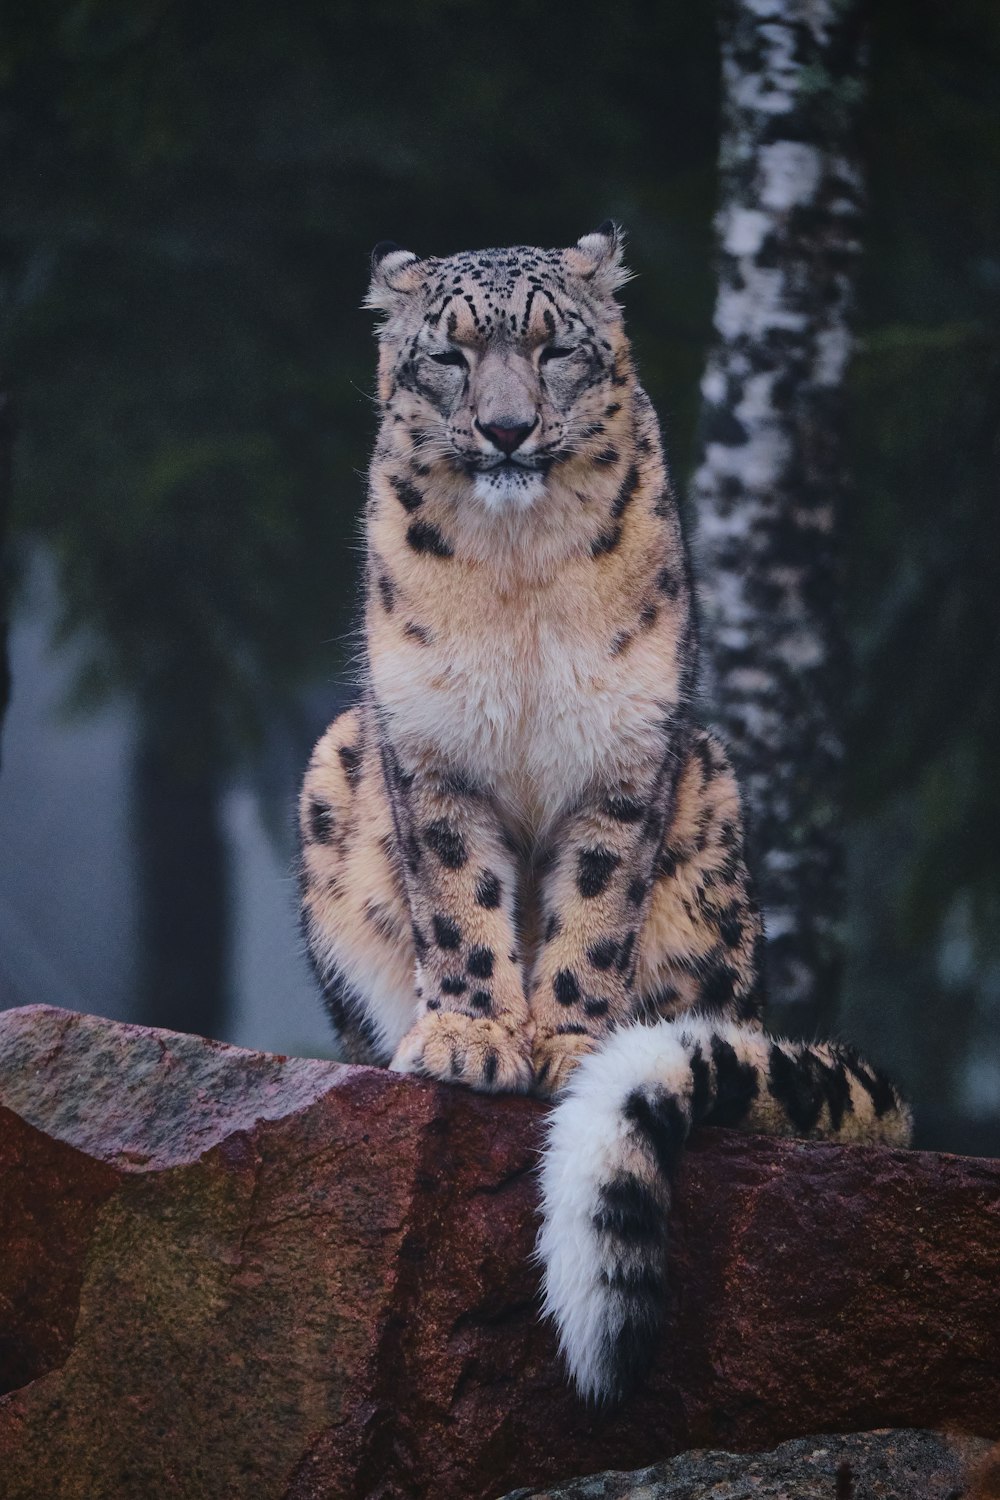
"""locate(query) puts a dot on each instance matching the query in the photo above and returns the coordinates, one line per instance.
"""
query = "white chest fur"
(528, 701)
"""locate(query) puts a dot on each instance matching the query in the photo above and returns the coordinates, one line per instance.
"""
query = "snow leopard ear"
(394, 273)
(597, 258)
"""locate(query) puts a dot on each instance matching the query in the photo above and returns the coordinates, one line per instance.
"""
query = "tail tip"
(606, 1368)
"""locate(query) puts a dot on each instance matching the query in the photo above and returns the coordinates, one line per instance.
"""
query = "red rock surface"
(227, 1274)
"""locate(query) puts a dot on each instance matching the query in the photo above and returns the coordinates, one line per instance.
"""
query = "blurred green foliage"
(922, 545)
(191, 194)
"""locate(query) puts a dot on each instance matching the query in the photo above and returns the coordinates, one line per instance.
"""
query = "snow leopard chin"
(507, 488)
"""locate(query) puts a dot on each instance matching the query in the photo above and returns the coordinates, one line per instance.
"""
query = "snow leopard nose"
(507, 439)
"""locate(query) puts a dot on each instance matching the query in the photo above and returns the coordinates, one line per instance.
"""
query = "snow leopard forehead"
(499, 292)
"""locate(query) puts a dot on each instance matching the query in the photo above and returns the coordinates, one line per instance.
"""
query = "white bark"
(766, 492)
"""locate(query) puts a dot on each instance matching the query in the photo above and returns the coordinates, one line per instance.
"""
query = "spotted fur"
(520, 843)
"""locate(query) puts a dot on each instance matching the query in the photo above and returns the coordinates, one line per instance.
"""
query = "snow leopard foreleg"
(648, 912)
(472, 1022)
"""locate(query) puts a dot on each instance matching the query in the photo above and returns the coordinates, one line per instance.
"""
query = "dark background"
(190, 195)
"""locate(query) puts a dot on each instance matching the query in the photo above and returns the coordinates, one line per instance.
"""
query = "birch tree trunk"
(766, 492)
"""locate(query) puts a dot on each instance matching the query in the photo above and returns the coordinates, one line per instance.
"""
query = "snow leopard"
(522, 861)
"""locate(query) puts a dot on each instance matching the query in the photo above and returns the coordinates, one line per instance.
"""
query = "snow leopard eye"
(554, 351)
(451, 357)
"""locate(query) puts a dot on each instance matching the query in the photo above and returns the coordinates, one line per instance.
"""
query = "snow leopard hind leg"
(354, 914)
(411, 940)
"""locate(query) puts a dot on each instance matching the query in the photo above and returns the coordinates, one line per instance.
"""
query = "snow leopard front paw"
(554, 1056)
(474, 1050)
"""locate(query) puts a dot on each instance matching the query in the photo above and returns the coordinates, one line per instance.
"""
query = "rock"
(229, 1274)
(887, 1465)
(983, 1477)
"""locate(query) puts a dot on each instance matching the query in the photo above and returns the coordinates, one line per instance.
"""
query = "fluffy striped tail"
(614, 1140)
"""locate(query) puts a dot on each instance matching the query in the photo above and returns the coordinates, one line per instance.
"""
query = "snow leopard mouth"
(509, 466)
